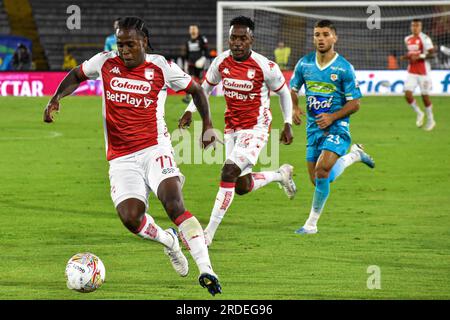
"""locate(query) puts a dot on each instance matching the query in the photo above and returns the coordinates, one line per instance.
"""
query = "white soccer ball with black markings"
(85, 272)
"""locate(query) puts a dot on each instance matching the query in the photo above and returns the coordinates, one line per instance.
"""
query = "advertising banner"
(383, 82)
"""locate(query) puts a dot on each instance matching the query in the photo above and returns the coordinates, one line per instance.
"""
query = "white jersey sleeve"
(91, 68)
(427, 43)
(213, 76)
(175, 78)
(273, 76)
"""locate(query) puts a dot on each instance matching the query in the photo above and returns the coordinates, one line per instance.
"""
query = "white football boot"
(177, 258)
(420, 118)
(365, 158)
(429, 125)
(287, 182)
(304, 230)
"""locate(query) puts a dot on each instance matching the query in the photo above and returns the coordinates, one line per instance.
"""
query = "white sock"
(429, 112)
(191, 233)
(415, 107)
(311, 223)
(151, 231)
(223, 201)
(350, 158)
(260, 179)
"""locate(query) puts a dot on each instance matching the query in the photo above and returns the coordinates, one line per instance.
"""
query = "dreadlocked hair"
(139, 25)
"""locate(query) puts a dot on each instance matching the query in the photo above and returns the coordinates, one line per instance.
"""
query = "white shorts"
(243, 148)
(423, 81)
(136, 174)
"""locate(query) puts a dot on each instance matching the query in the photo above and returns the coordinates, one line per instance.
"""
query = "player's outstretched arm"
(67, 86)
(324, 120)
(201, 102)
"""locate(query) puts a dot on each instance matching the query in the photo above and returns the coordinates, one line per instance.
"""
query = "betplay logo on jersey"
(130, 85)
(318, 105)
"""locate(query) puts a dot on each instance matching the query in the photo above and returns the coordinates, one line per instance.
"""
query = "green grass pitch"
(55, 202)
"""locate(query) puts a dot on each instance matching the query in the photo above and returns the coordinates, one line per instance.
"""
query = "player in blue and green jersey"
(332, 95)
(111, 40)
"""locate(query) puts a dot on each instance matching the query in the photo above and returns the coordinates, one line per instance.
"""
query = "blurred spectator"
(110, 42)
(392, 61)
(196, 55)
(22, 58)
(282, 55)
(69, 61)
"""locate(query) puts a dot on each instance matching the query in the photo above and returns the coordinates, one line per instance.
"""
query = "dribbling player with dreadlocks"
(138, 145)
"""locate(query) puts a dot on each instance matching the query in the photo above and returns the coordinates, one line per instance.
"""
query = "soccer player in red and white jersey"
(420, 49)
(247, 78)
(138, 144)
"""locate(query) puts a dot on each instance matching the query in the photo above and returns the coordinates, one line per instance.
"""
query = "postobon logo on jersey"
(236, 84)
(130, 85)
(319, 105)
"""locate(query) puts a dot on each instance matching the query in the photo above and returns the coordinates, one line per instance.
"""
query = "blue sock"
(321, 194)
(337, 169)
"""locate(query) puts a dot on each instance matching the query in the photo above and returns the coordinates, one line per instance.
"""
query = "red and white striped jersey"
(418, 45)
(133, 100)
(246, 86)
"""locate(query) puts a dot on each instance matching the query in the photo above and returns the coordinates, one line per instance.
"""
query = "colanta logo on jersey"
(318, 105)
(237, 84)
(130, 85)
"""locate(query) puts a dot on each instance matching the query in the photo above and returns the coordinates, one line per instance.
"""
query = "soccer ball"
(85, 272)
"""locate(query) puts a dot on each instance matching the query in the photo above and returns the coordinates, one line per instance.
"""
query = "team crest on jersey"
(226, 71)
(251, 73)
(334, 76)
(149, 74)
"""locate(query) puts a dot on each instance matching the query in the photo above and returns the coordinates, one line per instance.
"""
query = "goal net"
(370, 34)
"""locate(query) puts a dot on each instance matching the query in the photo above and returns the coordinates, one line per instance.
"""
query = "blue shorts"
(334, 142)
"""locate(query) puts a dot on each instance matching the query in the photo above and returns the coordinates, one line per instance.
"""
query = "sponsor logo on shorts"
(168, 170)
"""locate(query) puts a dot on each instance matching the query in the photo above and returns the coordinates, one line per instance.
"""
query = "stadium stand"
(168, 29)
(4, 22)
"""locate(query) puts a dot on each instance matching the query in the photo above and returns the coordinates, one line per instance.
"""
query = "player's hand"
(52, 107)
(286, 136)
(209, 137)
(185, 120)
(414, 57)
(324, 120)
(405, 57)
(296, 115)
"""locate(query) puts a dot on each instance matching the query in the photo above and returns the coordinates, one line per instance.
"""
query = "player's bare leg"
(132, 213)
(413, 103)
(430, 124)
(191, 232)
(311, 171)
